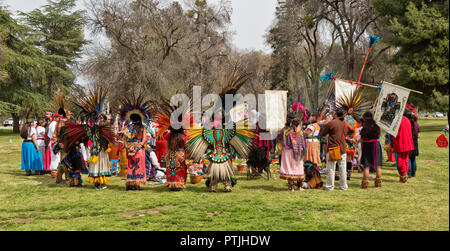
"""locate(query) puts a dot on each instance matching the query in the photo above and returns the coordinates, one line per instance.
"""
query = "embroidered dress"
(291, 158)
(176, 170)
(312, 144)
(136, 160)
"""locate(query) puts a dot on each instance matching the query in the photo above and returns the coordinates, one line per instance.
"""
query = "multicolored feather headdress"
(98, 133)
(92, 105)
(299, 110)
(163, 113)
(353, 104)
(135, 105)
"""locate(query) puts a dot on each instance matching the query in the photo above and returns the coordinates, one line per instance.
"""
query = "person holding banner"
(401, 145)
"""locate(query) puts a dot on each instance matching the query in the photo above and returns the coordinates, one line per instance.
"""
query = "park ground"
(37, 203)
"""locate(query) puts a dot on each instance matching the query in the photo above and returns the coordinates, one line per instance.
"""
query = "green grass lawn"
(37, 203)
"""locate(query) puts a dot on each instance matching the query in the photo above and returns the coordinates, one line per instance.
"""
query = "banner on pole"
(343, 88)
(275, 109)
(390, 107)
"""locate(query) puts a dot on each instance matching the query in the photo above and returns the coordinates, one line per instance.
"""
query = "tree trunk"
(16, 126)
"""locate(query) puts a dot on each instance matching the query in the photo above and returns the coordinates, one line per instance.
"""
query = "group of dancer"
(345, 132)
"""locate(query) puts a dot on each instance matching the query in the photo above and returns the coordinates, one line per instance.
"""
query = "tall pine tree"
(59, 31)
(421, 32)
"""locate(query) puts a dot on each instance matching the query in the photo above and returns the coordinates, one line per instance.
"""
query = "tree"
(420, 31)
(24, 69)
(162, 49)
(310, 38)
(58, 30)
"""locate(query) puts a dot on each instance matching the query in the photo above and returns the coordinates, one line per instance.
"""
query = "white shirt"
(51, 129)
(31, 132)
(40, 132)
(314, 133)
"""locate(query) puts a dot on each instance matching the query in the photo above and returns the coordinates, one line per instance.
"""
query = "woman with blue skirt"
(31, 156)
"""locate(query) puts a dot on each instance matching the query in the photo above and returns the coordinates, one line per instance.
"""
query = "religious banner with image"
(390, 107)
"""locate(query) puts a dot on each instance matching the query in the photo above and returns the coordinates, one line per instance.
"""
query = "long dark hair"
(370, 128)
(175, 142)
(25, 130)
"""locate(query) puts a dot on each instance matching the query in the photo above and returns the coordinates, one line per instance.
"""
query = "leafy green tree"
(59, 30)
(421, 32)
(25, 70)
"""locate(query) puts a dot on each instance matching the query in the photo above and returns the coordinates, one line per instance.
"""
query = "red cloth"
(403, 142)
(442, 141)
(47, 158)
(258, 143)
(391, 156)
(161, 149)
(403, 162)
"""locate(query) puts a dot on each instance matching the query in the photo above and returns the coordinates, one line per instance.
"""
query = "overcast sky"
(250, 20)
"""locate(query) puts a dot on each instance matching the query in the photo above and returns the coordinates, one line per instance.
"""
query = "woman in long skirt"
(31, 156)
(293, 147)
(135, 144)
(371, 150)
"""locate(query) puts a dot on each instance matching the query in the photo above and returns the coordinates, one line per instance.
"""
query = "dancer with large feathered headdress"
(354, 105)
(175, 157)
(94, 130)
(135, 110)
(222, 142)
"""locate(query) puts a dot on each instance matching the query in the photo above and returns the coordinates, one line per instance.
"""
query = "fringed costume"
(220, 144)
(135, 111)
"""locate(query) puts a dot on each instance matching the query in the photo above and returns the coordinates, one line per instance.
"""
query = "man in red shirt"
(401, 145)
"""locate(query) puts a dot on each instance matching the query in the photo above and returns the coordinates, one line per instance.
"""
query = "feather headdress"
(98, 133)
(61, 105)
(234, 81)
(92, 105)
(354, 101)
(163, 113)
(299, 110)
(135, 105)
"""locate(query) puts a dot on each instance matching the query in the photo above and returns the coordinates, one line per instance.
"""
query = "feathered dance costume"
(175, 158)
(134, 138)
(222, 142)
(354, 106)
(95, 131)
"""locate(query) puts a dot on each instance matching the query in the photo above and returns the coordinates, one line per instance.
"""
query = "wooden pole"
(376, 86)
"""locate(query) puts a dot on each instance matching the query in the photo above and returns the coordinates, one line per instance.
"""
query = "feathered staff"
(373, 40)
